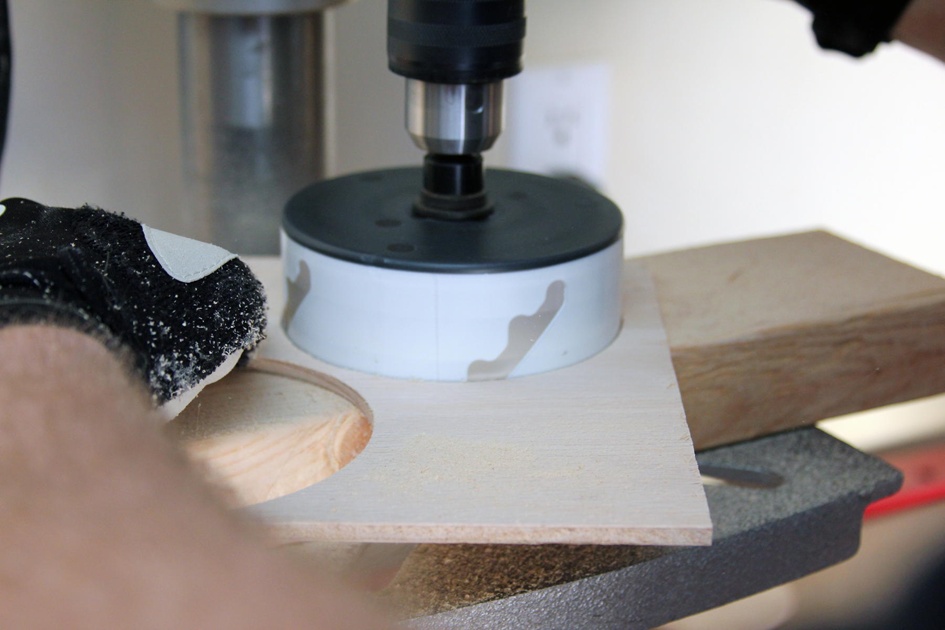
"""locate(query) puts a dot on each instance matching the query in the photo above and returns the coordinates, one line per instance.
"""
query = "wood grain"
(596, 453)
(766, 335)
(777, 333)
(271, 429)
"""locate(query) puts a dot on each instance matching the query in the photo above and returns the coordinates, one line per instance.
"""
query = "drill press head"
(454, 56)
(465, 281)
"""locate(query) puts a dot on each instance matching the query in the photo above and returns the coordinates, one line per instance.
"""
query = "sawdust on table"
(439, 578)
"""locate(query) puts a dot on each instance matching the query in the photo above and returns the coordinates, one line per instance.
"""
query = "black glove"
(184, 311)
(855, 27)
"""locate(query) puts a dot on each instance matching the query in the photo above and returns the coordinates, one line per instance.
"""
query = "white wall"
(727, 121)
(94, 111)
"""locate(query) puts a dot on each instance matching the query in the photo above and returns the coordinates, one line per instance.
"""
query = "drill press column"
(255, 100)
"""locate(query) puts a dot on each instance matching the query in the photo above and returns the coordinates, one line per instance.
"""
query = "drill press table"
(798, 509)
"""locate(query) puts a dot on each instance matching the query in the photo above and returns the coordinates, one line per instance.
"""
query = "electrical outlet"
(559, 121)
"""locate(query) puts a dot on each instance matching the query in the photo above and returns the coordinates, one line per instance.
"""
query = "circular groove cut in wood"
(273, 428)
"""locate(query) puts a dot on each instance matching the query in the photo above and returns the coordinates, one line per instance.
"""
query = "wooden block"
(778, 333)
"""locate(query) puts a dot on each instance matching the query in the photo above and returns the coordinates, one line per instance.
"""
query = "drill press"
(447, 272)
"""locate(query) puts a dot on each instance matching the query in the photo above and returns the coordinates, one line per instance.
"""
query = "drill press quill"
(449, 272)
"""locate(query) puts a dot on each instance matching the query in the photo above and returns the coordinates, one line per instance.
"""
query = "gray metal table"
(793, 504)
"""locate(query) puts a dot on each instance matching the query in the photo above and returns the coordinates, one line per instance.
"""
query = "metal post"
(253, 100)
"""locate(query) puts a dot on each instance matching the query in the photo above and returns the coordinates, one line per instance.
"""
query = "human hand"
(182, 311)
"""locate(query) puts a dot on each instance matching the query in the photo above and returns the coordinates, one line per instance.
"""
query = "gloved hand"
(853, 26)
(182, 311)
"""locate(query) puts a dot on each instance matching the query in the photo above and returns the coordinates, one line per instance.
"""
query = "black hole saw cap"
(455, 41)
(368, 218)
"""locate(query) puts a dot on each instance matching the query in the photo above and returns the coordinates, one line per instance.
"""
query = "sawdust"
(438, 578)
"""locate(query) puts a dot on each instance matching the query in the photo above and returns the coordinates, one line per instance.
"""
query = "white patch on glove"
(185, 259)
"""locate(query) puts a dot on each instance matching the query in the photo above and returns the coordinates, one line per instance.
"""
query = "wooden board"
(766, 335)
(594, 453)
(777, 333)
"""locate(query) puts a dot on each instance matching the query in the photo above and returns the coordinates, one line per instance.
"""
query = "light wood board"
(778, 333)
(594, 453)
(766, 335)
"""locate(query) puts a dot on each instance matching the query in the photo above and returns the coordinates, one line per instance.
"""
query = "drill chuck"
(458, 42)
(452, 119)
(454, 56)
